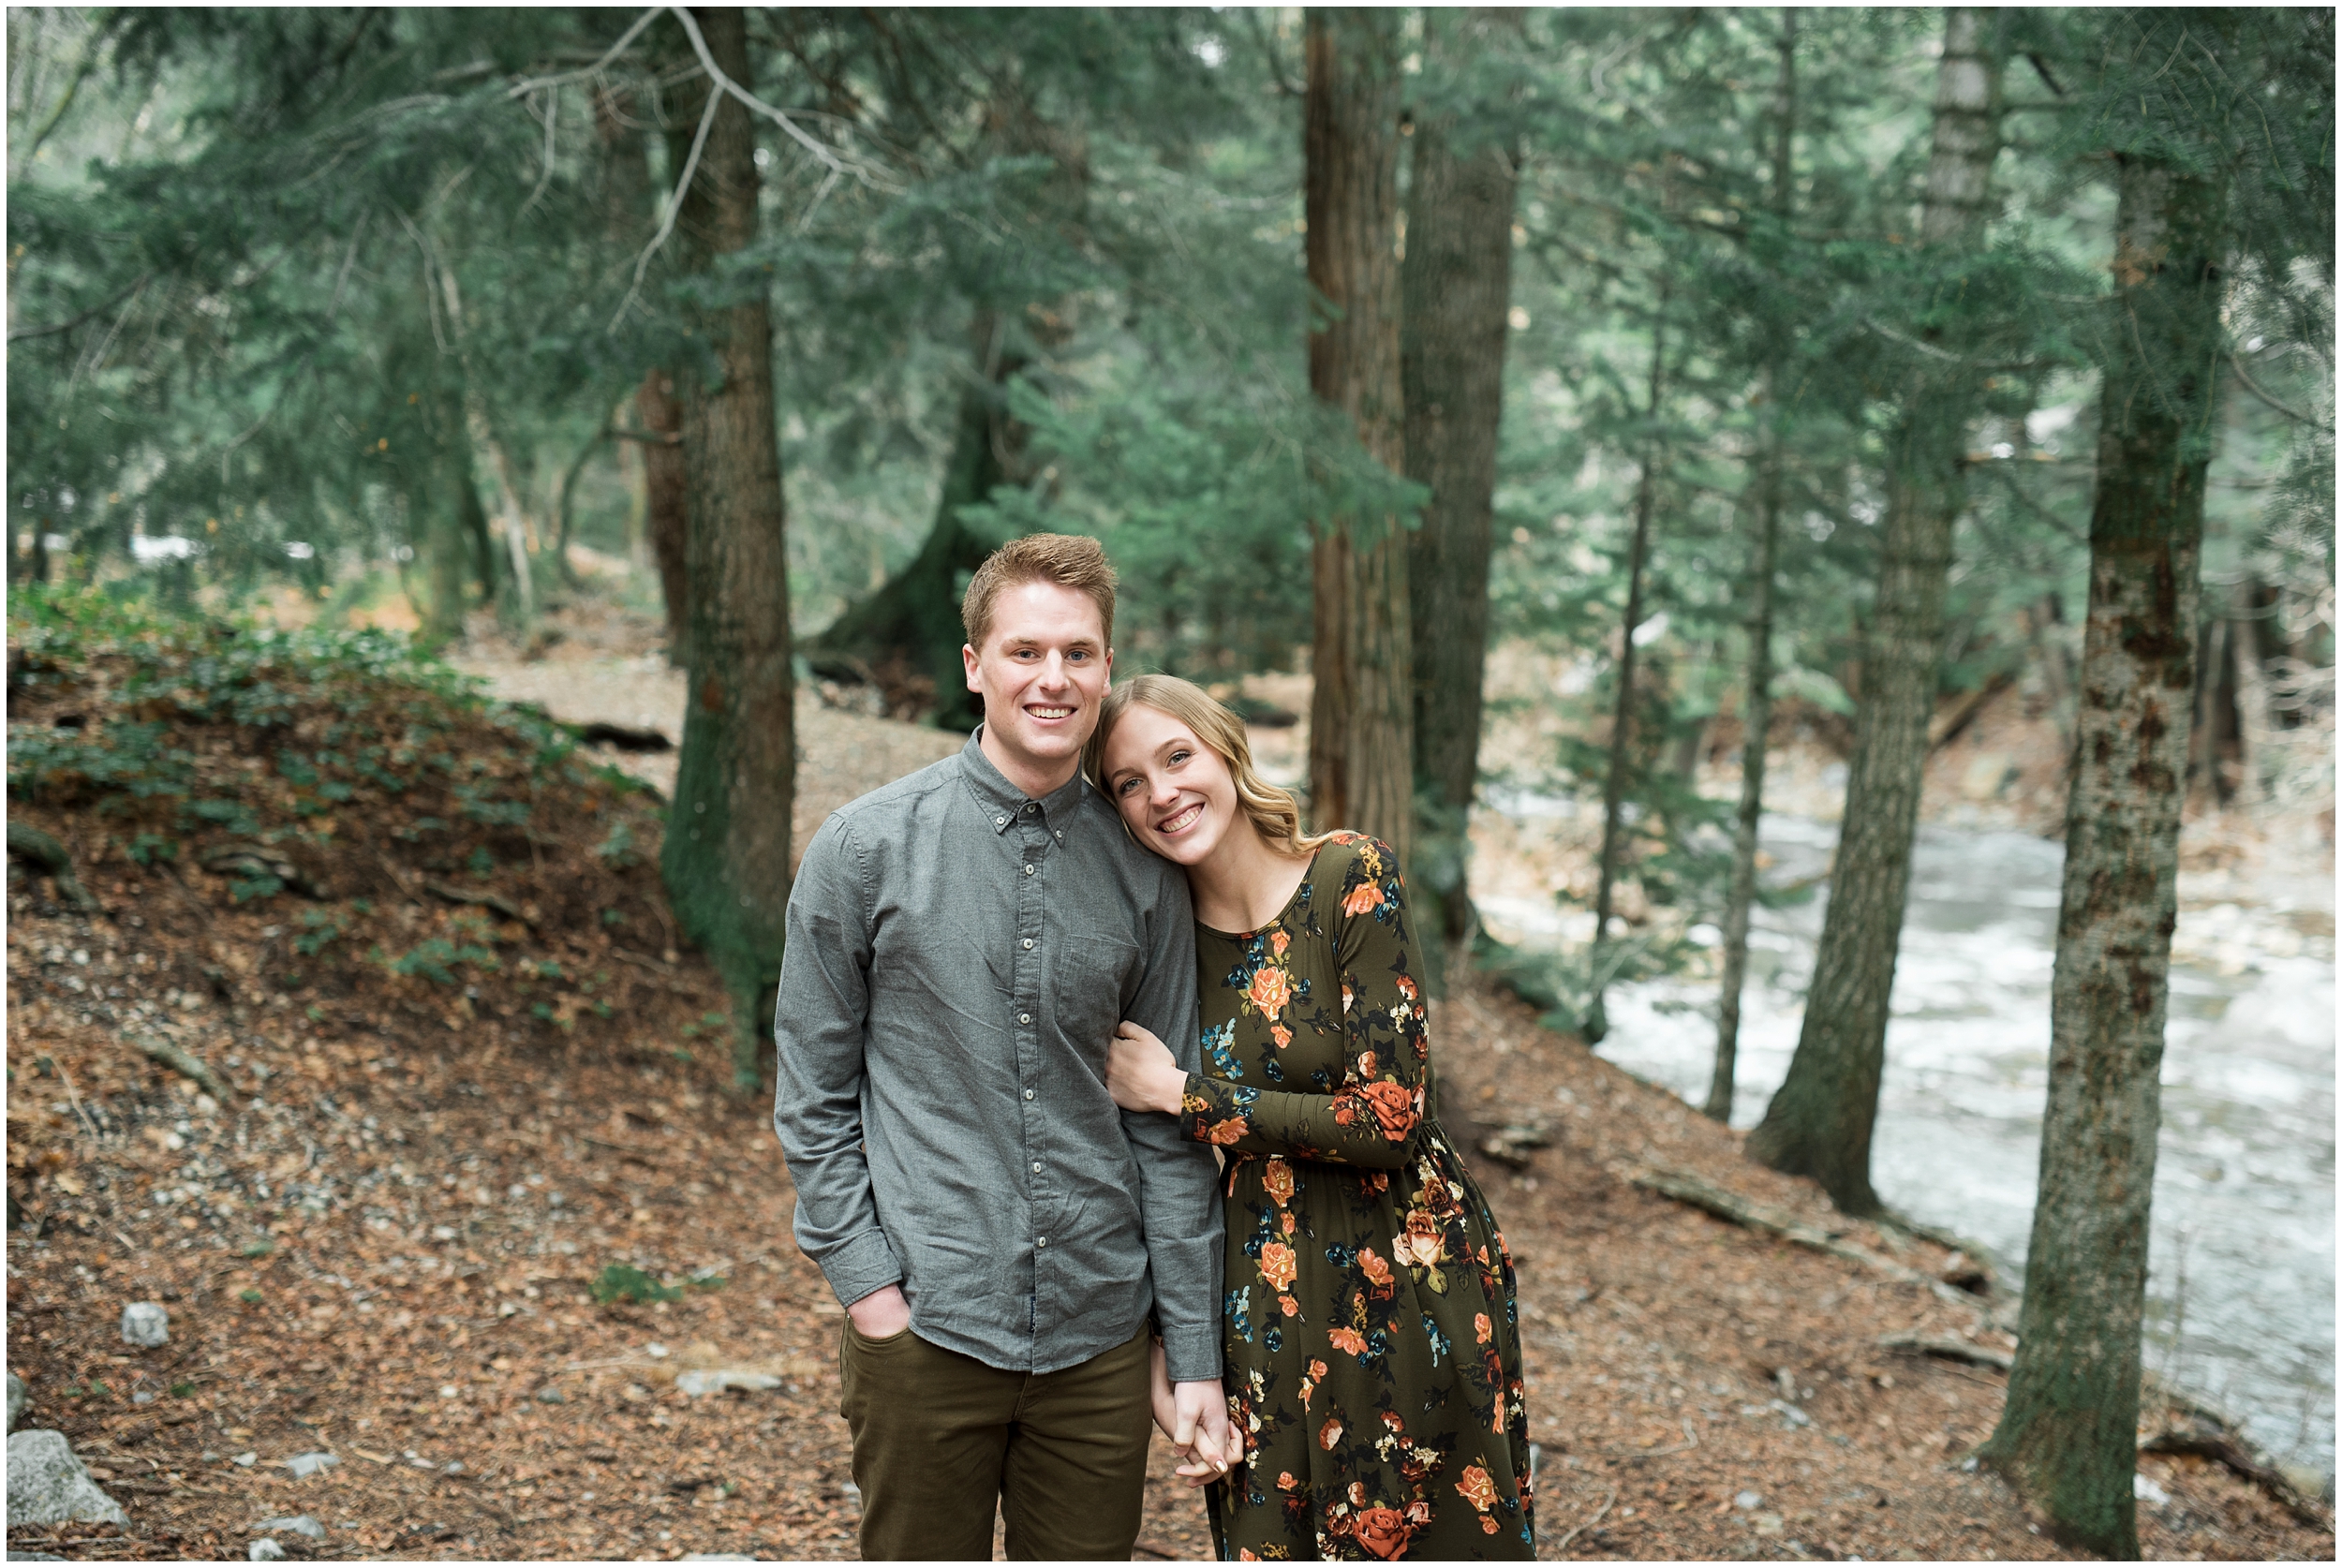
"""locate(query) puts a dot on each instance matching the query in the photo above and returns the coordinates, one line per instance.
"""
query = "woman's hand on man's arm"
(1141, 1072)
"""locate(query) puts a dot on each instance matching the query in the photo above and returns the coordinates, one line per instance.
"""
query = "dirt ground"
(379, 1245)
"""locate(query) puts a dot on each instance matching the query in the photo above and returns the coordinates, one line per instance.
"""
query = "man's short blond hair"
(1070, 560)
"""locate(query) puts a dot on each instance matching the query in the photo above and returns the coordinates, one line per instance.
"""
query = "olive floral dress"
(1373, 1357)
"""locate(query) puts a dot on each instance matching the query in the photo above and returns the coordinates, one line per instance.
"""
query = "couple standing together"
(1108, 1094)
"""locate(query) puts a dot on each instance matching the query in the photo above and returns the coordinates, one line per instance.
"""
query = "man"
(962, 945)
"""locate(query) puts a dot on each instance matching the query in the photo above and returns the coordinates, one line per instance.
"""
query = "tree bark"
(1819, 1122)
(726, 857)
(1756, 682)
(1362, 707)
(1456, 289)
(667, 502)
(2067, 1431)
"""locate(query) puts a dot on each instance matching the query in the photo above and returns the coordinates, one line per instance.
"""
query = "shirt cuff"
(1191, 1353)
(861, 1266)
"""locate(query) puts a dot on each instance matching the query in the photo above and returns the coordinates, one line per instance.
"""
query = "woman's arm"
(1375, 1118)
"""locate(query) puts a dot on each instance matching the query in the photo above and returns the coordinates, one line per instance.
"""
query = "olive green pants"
(940, 1438)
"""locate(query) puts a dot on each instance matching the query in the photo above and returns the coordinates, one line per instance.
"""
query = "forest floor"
(381, 1243)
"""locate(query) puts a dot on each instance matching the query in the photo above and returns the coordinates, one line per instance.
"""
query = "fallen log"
(1703, 1194)
(1949, 1349)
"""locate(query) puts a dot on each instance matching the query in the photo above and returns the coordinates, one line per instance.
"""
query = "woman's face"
(1173, 791)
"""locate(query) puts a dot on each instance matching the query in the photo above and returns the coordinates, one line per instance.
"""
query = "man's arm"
(818, 1041)
(1179, 1192)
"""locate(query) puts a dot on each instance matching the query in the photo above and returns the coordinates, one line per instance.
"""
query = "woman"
(1373, 1360)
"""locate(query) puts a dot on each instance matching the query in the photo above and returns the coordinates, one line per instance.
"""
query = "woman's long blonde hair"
(1275, 815)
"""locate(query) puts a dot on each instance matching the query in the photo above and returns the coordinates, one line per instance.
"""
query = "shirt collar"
(1002, 802)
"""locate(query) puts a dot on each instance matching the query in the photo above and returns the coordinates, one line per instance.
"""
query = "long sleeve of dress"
(1374, 1116)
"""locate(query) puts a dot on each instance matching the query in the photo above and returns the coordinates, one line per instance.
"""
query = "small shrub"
(625, 1282)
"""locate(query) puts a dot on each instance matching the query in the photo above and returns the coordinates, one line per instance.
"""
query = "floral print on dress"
(1374, 1356)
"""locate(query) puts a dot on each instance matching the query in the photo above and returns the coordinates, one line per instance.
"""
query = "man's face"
(1042, 673)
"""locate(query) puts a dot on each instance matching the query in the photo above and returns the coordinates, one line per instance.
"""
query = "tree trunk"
(1756, 701)
(726, 857)
(1597, 1023)
(667, 500)
(908, 634)
(1362, 708)
(1819, 1122)
(1456, 289)
(2068, 1432)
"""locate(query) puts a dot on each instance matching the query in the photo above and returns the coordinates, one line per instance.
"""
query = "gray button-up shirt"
(958, 956)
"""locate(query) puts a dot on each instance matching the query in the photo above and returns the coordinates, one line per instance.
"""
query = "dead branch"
(183, 1063)
(1949, 1348)
(2226, 1450)
(483, 899)
(1703, 1194)
(1577, 1529)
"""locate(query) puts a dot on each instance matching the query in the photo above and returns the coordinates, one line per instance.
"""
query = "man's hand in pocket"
(882, 1314)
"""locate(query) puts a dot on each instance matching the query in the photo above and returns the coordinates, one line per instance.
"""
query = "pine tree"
(1819, 1121)
(1456, 293)
(1362, 701)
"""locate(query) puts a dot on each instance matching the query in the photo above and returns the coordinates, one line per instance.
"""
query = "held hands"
(882, 1314)
(1194, 1416)
(1142, 1075)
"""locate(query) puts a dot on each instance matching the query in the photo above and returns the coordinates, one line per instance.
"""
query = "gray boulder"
(298, 1524)
(715, 1381)
(16, 1397)
(265, 1550)
(145, 1325)
(48, 1485)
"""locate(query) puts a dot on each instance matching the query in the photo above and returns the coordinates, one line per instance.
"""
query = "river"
(2240, 1285)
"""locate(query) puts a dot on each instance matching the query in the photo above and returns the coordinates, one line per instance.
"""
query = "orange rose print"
(1286, 1482)
(1228, 1131)
(1330, 1433)
(1376, 1268)
(1480, 1326)
(1271, 991)
(1477, 1490)
(1393, 1108)
(1277, 1181)
(1347, 1341)
(1487, 1525)
(1382, 1532)
(1406, 987)
(1362, 899)
(1279, 941)
(1289, 1307)
(1282, 1035)
(1317, 1369)
(1277, 1266)
(1367, 1064)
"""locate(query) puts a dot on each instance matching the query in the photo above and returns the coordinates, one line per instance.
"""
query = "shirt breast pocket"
(1092, 977)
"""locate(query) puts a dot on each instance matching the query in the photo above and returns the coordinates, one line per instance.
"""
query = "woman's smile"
(1180, 820)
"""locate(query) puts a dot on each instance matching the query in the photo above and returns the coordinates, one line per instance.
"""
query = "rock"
(1987, 774)
(246, 1458)
(35, 1557)
(145, 1325)
(305, 1465)
(265, 1550)
(48, 1485)
(549, 1395)
(299, 1524)
(2147, 1491)
(715, 1381)
(1747, 1501)
(17, 1398)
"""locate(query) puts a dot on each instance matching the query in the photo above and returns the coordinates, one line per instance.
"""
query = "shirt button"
(1028, 944)
(1028, 1094)
(1037, 1167)
(1026, 1018)
(1029, 869)
(1000, 821)
(1031, 808)
(1040, 1241)
(1061, 833)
